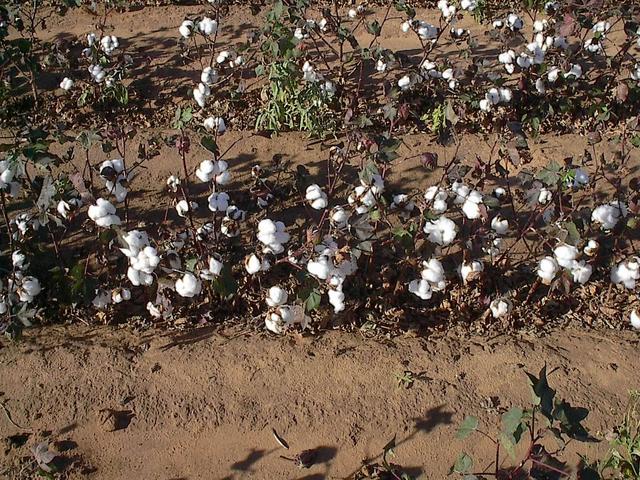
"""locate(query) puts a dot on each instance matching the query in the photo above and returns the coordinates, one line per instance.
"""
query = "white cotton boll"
(544, 196)
(471, 206)
(276, 296)
(507, 57)
(66, 84)
(635, 74)
(173, 183)
(206, 171)
(500, 307)
(601, 27)
(581, 272)
(103, 213)
(565, 255)
(547, 269)
(524, 61)
(19, 260)
(188, 286)
(634, 319)
(320, 268)
(499, 192)
(208, 26)
(316, 197)
(514, 22)
(138, 277)
(186, 28)
(552, 74)
(29, 289)
(485, 105)
(253, 264)
(109, 43)
(406, 26)
(469, 5)
(540, 87)
(500, 225)
(497, 24)
(182, 207)
(575, 71)
(339, 217)
(433, 272)
(540, 25)
(421, 288)
(209, 76)
(493, 96)
(626, 273)
(467, 271)
(97, 73)
(272, 235)
(381, 66)
(505, 94)
(591, 248)
(4, 308)
(441, 231)
(200, 94)
(336, 299)
(609, 215)
(218, 202)
(91, 39)
(216, 124)
(102, 299)
(405, 82)
(402, 201)
(214, 269)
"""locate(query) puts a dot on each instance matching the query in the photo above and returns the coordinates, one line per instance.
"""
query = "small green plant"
(548, 416)
(623, 458)
(384, 470)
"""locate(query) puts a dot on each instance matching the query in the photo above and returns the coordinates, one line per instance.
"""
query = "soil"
(201, 404)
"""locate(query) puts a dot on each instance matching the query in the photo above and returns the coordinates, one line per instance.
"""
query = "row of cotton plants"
(348, 241)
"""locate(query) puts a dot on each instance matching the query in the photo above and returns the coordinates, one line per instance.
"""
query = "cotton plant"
(564, 257)
(20, 290)
(143, 258)
(494, 97)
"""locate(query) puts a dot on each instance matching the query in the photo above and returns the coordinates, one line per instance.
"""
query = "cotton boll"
(581, 272)
(339, 217)
(208, 26)
(547, 269)
(469, 5)
(441, 231)
(485, 105)
(500, 307)
(252, 264)
(66, 84)
(505, 95)
(19, 260)
(188, 286)
(103, 213)
(626, 273)
(514, 22)
(186, 28)
(97, 73)
(109, 43)
(102, 299)
(634, 319)
(544, 196)
(138, 277)
(421, 288)
(200, 94)
(381, 66)
(316, 197)
(209, 76)
(272, 235)
(218, 201)
(403, 202)
(214, 269)
(215, 124)
(591, 248)
(406, 26)
(336, 299)
(609, 215)
(469, 271)
(500, 225)
(471, 206)
(575, 71)
(276, 296)
(320, 268)
(182, 207)
(540, 87)
(173, 183)
(437, 198)
(565, 255)
(405, 83)
(433, 272)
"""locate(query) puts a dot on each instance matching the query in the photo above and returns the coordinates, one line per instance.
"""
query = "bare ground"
(201, 405)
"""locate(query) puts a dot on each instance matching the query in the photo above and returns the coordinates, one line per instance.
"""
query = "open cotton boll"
(402, 201)
(438, 198)
(218, 201)
(336, 299)
(547, 269)
(339, 217)
(320, 268)
(540, 87)
(591, 248)
(316, 197)
(500, 225)
(469, 271)
(120, 295)
(138, 277)
(565, 255)
(253, 264)
(433, 272)
(279, 319)
(188, 286)
(208, 26)
(581, 272)
(626, 273)
(276, 296)
(471, 206)
(29, 289)
(500, 307)
(209, 76)
(405, 82)
(634, 319)
(214, 269)
(514, 22)
(173, 182)
(421, 288)
(544, 196)
(469, 5)
(103, 213)
(19, 260)
(215, 124)
(66, 84)
(109, 43)
(97, 73)
(442, 231)
(201, 93)
(575, 71)
(186, 28)
(182, 207)
(272, 235)
(609, 215)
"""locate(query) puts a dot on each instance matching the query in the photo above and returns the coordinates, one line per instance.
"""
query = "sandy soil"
(201, 405)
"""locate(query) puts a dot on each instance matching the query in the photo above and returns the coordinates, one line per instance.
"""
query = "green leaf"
(313, 300)
(512, 419)
(550, 174)
(463, 463)
(210, 144)
(468, 425)
(190, 264)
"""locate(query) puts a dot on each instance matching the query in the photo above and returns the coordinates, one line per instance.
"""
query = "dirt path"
(202, 405)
